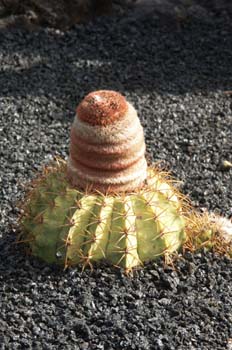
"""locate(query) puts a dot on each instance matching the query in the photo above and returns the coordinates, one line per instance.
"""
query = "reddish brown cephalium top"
(102, 107)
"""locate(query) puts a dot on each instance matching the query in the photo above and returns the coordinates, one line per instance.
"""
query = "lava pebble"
(176, 77)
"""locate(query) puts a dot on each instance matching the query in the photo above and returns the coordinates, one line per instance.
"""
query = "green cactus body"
(68, 226)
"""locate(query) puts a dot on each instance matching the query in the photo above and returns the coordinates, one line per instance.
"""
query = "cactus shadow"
(17, 264)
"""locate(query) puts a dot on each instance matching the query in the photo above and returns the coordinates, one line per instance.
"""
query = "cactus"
(209, 231)
(105, 203)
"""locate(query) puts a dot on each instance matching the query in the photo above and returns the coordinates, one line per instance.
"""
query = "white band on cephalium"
(112, 188)
(137, 171)
(109, 161)
(128, 145)
(121, 130)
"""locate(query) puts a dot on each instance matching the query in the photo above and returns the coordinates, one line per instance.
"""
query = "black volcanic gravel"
(176, 77)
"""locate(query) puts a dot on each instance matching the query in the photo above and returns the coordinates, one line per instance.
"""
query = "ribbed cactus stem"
(107, 149)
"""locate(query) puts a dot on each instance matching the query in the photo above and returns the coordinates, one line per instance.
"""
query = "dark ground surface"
(63, 14)
(176, 78)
